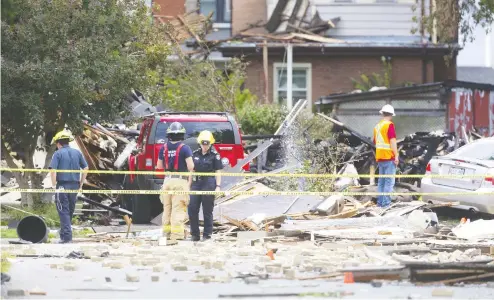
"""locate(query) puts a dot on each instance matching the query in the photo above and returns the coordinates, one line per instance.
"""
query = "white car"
(476, 158)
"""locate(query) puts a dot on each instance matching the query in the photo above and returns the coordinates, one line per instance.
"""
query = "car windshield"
(482, 150)
(222, 131)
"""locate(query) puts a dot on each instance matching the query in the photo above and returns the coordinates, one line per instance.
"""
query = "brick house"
(368, 30)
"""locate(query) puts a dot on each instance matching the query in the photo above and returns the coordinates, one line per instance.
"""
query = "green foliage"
(453, 17)
(200, 85)
(64, 60)
(260, 118)
(366, 82)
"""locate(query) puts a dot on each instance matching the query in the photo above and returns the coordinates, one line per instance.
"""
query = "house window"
(301, 83)
(222, 10)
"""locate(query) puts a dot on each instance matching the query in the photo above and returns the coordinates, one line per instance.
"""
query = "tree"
(459, 16)
(64, 61)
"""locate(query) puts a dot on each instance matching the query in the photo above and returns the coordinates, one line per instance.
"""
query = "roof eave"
(320, 49)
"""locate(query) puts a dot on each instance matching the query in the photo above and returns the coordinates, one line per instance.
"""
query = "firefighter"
(386, 154)
(175, 156)
(206, 160)
(66, 158)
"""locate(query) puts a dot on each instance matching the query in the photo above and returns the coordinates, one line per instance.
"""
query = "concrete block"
(289, 273)
(242, 252)
(203, 278)
(135, 262)
(155, 278)
(116, 265)
(260, 267)
(70, 267)
(151, 261)
(97, 258)
(264, 259)
(218, 265)
(16, 293)
(472, 252)
(297, 260)
(158, 268)
(132, 277)
(179, 267)
(273, 269)
(308, 268)
(226, 279)
(207, 264)
(251, 280)
(442, 293)
(37, 292)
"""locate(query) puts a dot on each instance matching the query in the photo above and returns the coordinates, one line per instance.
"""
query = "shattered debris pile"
(105, 149)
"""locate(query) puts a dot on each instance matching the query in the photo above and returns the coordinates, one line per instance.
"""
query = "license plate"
(456, 171)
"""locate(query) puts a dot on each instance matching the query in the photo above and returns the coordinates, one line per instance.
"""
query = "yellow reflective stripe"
(175, 228)
(380, 143)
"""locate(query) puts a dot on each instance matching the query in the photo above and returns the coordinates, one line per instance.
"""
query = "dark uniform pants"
(65, 203)
(207, 201)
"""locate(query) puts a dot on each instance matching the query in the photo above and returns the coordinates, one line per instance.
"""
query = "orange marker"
(270, 254)
(348, 277)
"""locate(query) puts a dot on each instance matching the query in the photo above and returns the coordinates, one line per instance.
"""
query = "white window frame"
(307, 66)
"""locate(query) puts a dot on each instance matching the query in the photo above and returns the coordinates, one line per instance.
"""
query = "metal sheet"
(471, 109)
(272, 206)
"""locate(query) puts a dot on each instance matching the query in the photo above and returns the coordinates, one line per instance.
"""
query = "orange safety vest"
(383, 145)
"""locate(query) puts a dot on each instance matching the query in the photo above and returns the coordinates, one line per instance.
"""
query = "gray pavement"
(63, 278)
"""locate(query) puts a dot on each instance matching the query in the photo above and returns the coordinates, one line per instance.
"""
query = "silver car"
(476, 158)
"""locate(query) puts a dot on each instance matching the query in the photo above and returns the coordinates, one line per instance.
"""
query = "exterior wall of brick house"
(170, 7)
(333, 74)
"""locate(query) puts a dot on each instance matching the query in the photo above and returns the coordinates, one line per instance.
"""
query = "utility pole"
(289, 76)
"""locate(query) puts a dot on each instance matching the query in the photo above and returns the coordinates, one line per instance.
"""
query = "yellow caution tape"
(283, 174)
(251, 193)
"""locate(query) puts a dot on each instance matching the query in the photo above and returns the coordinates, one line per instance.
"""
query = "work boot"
(206, 238)
(63, 242)
(194, 238)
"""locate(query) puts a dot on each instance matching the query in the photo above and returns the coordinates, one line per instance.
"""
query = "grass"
(47, 211)
(5, 262)
(6, 233)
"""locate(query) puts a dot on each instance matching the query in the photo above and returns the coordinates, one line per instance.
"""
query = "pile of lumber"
(102, 148)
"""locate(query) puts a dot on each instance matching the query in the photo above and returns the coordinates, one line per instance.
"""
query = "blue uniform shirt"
(207, 163)
(185, 152)
(67, 158)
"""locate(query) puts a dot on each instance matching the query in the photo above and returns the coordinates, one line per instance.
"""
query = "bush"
(260, 118)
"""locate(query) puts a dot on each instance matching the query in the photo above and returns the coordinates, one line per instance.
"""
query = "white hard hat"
(388, 109)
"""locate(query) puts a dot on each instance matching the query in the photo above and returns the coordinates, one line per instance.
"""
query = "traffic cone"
(270, 254)
(348, 277)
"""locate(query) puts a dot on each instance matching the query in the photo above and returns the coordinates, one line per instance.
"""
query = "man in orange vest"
(386, 154)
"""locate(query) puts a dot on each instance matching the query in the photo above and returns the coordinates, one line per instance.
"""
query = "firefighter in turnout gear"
(66, 158)
(175, 156)
(386, 154)
(206, 160)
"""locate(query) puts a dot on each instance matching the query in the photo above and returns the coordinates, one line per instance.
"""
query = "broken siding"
(472, 109)
(369, 18)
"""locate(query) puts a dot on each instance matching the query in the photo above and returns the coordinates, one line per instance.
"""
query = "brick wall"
(332, 74)
(170, 7)
(245, 12)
